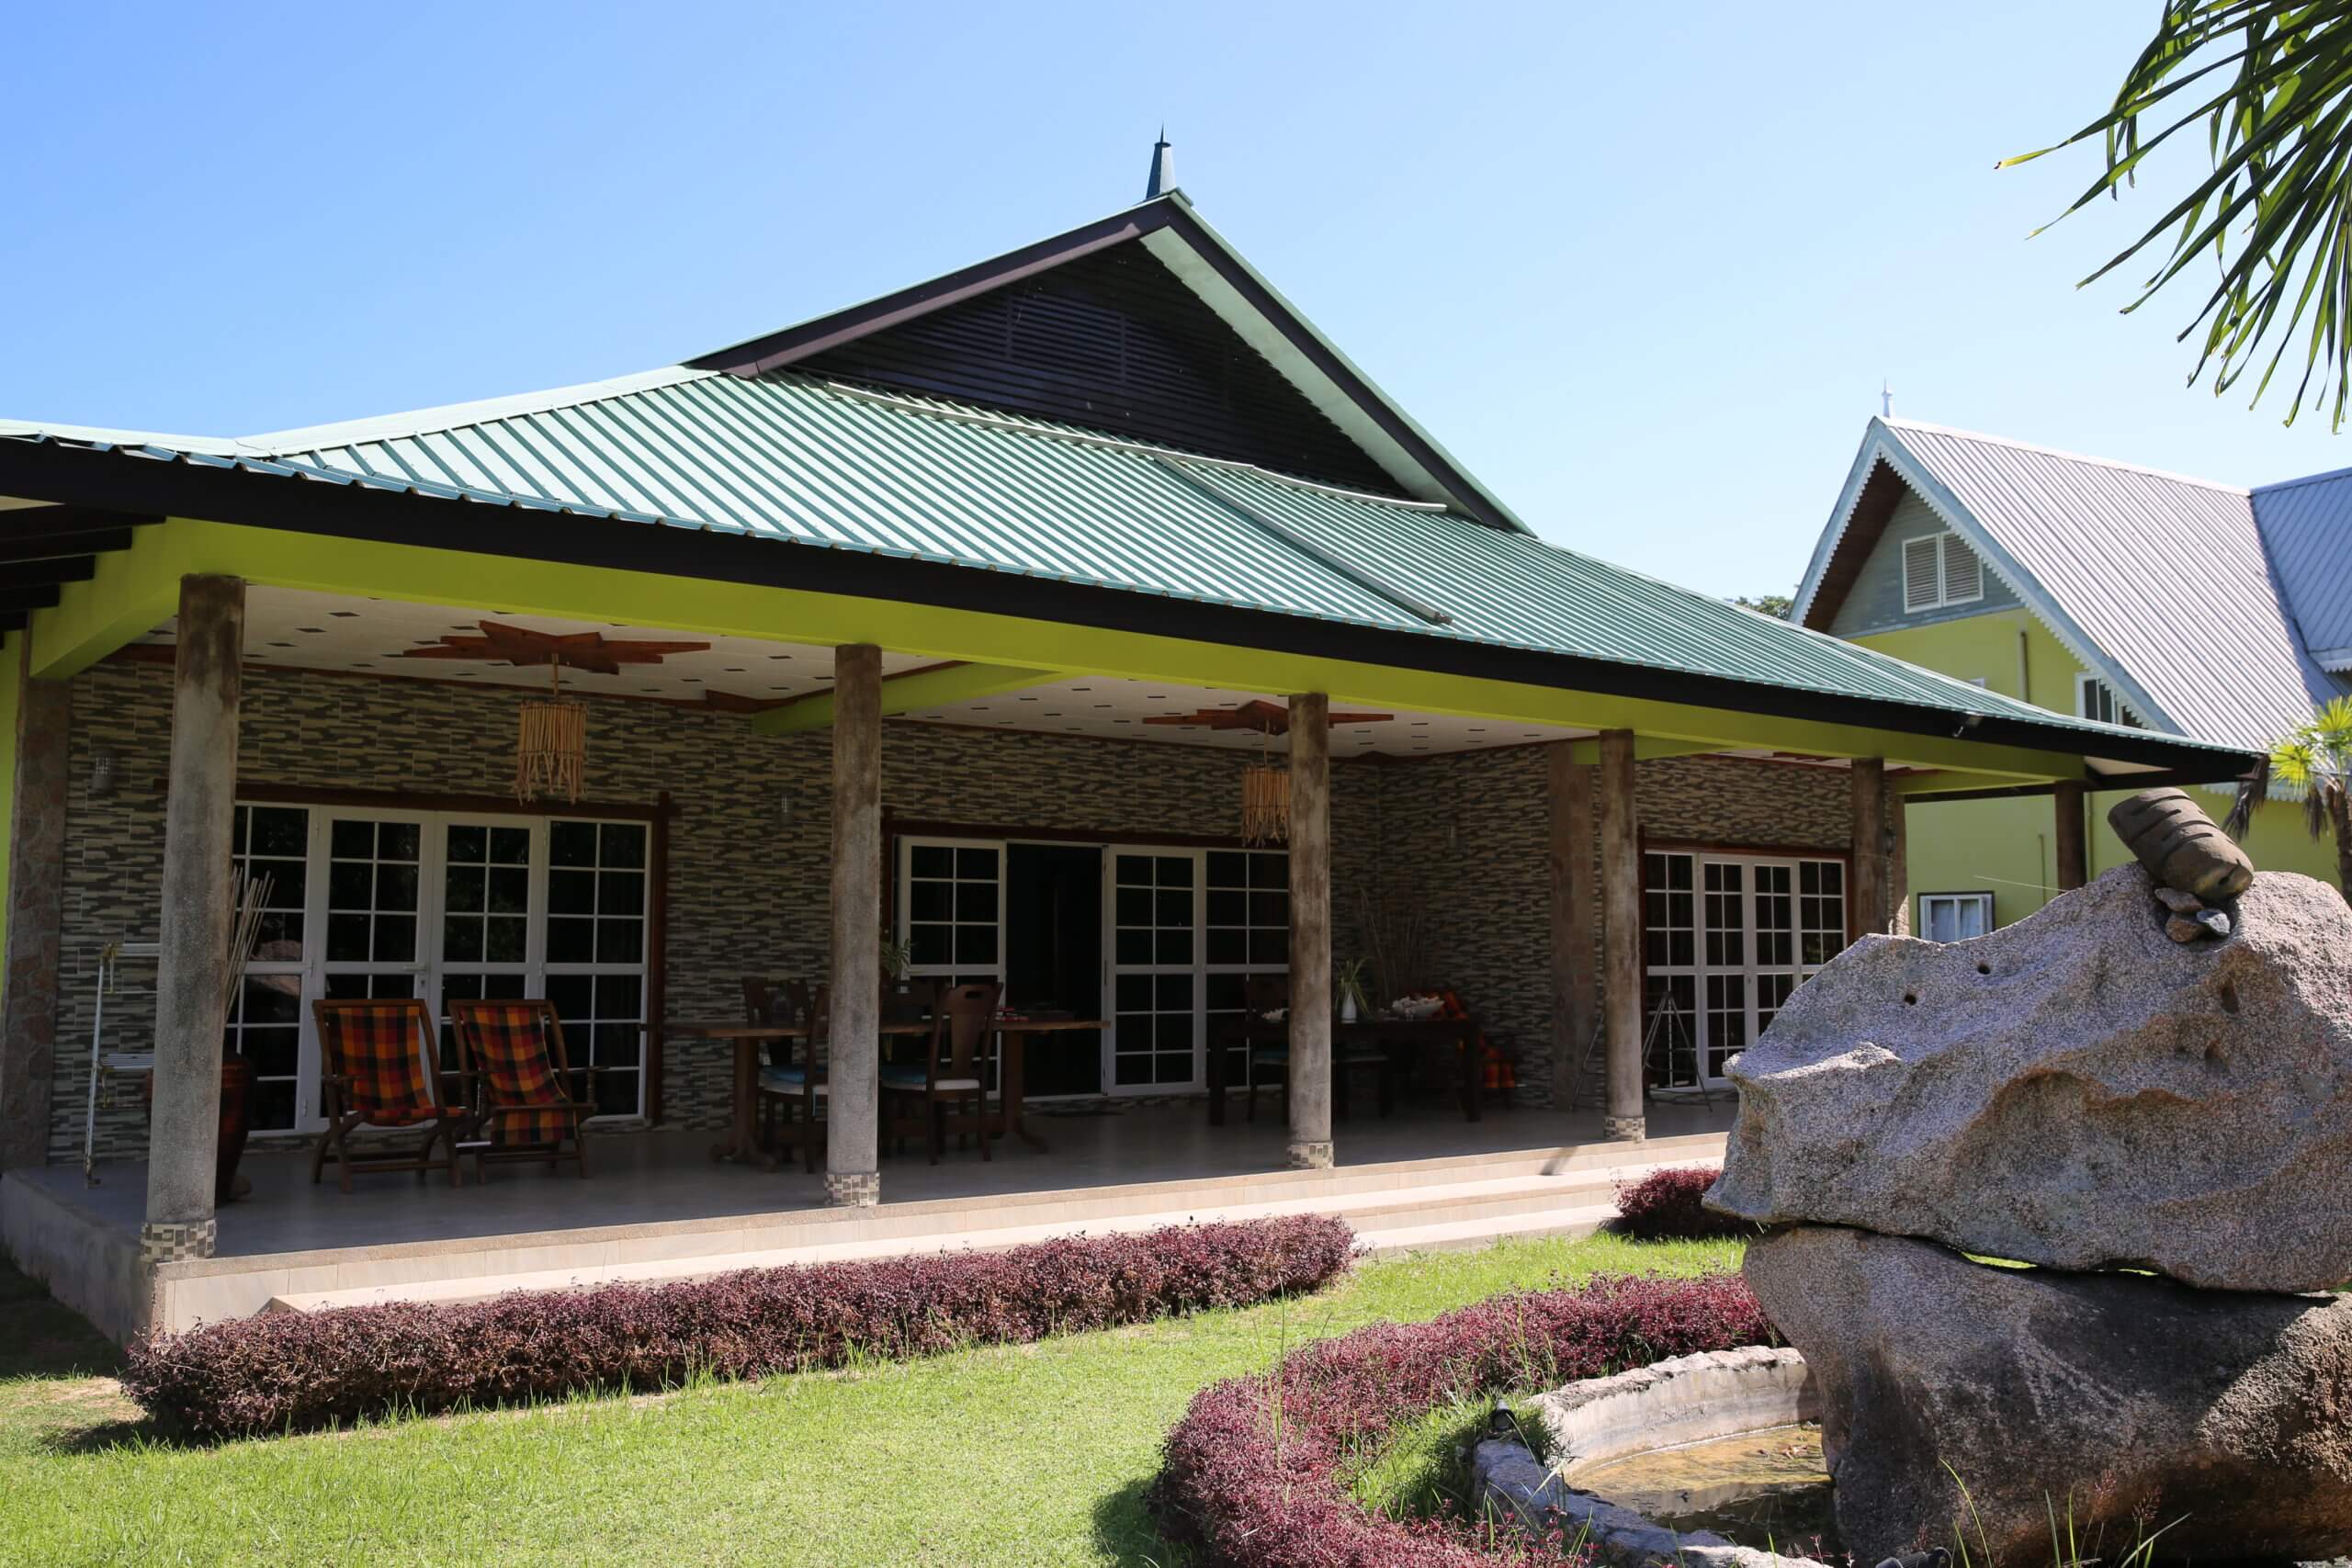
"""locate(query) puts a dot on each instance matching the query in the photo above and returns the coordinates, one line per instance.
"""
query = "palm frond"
(2271, 81)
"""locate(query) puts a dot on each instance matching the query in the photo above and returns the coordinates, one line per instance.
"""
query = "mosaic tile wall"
(746, 885)
(1463, 834)
(1465, 837)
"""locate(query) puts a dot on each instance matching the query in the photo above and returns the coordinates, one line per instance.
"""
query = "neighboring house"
(2097, 589)
(970, 614)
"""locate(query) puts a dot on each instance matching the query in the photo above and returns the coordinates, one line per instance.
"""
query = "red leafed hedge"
(1255, 1475)
(1669, 1205)
(295, 1370)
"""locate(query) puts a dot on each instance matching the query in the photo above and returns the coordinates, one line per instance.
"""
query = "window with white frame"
(388, 902)
(2095, 699)
(1954, 916)
(1940, 569)
(1728, 939)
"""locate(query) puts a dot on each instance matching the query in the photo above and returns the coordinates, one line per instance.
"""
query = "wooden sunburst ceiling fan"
(591, 651)
(1265, 717)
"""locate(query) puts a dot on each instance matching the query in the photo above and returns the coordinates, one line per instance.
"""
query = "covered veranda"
(957, 594)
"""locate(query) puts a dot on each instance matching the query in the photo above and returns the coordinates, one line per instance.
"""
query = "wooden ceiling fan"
(520, 645)
(1265, 717)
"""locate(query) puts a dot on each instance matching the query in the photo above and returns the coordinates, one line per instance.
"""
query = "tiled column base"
(175, 1244)
(859, 1190)
(1624, 1129)
(1310, 1157)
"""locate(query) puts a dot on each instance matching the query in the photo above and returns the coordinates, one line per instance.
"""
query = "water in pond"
(1765, 1489)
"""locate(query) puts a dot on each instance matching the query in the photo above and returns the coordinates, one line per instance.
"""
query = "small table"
(1399, 1037)
(741, 1141)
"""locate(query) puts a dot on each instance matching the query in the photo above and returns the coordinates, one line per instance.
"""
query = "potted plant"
(1353, 1001)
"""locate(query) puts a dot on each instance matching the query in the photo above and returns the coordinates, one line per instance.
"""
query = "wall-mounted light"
(783, 807)
(102, 772)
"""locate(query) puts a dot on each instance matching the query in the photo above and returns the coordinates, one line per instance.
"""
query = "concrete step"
(1454, 1202)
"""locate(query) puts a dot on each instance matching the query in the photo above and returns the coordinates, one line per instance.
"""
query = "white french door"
(1727, 938)
(1182, 929)
(443, 906)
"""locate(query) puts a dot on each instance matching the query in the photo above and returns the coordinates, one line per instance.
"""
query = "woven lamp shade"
(1266, 804)
(551, 751)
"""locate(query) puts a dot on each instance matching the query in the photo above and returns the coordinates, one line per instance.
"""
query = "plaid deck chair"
(515, 1051)
(380, 1074)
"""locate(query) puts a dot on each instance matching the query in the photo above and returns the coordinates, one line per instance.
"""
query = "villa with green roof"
(2096, 588)
(1083, 622)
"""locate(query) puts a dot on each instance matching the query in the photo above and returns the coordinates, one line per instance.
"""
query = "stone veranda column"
(1869, 891)
(853, 1078)
(1620, 937)
(192, 965)
(2068, 843)
(36, 895)
(1311, 931)
(1575, 942)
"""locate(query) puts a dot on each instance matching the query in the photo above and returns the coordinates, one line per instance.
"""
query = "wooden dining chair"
(1262, 996)
(380, 1073)
(793, 1078)
(530, 1100)
(955, 1064)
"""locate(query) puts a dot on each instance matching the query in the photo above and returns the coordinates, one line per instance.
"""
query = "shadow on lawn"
(52, 1364)
(1123, 1530)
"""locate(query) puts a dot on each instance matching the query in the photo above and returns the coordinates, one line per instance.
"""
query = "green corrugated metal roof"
(790, 458)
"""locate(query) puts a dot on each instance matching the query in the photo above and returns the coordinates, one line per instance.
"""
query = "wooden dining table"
(742, 1141)
(1404, 1040)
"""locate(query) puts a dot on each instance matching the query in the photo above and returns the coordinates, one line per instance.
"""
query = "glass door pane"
(266, 1022)
(374, 874)
(1246, 932)
(1154, 915)
(595, 944)
(488, 872)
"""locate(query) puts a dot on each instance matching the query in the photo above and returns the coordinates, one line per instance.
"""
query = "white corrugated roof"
(2158, 582)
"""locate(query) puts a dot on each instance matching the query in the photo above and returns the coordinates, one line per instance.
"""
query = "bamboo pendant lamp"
(551, 750)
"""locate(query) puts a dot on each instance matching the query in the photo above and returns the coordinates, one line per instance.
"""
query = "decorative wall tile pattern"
(1463, 834)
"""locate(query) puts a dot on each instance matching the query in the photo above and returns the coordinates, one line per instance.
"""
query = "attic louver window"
(1940, 569)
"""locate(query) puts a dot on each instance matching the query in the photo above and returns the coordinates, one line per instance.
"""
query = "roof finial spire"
(1164, 167)
(1885, 398)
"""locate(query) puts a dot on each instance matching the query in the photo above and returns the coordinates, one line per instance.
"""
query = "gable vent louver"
(1964, 573)
(1921, 559)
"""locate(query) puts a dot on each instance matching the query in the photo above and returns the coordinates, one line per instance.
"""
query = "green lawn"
(1031, 1455)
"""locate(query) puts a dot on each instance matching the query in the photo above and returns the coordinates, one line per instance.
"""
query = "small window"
(1940, 569)
(2094, 699)
(1954, 916)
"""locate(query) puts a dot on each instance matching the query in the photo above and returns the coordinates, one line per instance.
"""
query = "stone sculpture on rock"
(2076, 1090)
(2090, 1093)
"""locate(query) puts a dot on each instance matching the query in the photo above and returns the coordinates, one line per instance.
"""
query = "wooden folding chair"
(532, 1102)
(381, 1072)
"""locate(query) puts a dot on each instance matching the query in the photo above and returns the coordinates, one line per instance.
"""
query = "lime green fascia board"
(132, 593)
(1646, 749)
(914, 689)
(136, 590)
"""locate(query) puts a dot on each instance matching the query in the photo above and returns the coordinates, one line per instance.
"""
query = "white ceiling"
(287, 628)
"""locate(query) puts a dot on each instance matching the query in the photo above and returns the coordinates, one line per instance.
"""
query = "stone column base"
(858, 1189)
(175, 1244)
(1625, 1129)
(1310, 1157)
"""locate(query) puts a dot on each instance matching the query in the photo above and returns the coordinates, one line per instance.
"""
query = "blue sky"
(1643, 274)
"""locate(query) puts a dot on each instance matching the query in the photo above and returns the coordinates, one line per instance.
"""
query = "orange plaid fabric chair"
(515, 1051)
(379, 1075)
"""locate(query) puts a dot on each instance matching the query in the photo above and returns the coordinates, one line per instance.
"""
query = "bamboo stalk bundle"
(248, 897)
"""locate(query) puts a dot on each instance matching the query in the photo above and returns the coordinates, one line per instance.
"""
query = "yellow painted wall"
(2003, 847)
